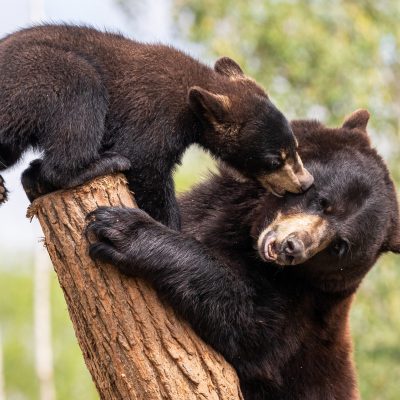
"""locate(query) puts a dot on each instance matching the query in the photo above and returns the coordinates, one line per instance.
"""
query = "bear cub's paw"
(33, 183)
(3, 191)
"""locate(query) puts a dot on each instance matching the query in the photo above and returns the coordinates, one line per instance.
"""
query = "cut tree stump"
(134, 346)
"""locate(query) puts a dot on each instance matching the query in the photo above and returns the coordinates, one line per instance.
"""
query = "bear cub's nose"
(306, 181)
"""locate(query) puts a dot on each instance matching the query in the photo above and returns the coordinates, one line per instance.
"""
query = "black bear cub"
(269, 281)
(96, 103)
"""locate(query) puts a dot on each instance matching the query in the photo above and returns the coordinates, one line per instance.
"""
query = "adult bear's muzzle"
(295, 238)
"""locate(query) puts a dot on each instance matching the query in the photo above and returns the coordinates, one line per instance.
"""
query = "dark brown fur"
(96, 103)
(284, 328)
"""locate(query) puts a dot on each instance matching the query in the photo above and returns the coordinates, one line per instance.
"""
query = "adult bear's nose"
(293, 248)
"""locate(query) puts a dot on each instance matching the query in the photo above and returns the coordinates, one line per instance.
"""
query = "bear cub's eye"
(274, 163)
(340, 247)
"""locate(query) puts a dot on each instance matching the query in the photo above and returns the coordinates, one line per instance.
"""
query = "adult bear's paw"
(117, 235)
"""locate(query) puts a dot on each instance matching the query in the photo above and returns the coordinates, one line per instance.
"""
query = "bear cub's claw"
(3, 191)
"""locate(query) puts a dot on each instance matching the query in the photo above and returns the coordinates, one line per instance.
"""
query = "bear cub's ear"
(357, 120)
(212, 107)
(226, 66)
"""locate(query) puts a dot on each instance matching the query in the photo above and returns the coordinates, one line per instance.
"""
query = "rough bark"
(134, 346)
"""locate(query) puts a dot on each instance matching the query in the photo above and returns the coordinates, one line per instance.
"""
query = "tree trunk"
(134, 346)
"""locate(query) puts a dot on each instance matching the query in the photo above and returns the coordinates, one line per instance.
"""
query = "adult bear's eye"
(340, 247)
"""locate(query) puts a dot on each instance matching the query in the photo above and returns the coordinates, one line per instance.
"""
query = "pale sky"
(16, 232)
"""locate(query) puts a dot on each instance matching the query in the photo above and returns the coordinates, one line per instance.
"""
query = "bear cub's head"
(338, 228)
(243, 128)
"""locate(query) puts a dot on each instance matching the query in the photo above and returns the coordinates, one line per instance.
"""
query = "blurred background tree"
(317, 59)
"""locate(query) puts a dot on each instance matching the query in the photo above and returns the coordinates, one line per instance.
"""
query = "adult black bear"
(283, 325)
(97, 103)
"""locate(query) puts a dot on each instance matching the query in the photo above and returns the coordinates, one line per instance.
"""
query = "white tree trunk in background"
(42, 323)
(2, 388)
(42, 326)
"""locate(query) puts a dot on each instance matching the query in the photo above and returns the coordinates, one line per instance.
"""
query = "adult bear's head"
(336, 230)
(243, 128)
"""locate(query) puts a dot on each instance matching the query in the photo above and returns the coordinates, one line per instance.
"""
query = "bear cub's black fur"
(96, 103)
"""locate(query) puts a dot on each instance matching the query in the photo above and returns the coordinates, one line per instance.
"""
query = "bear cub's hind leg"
(109, 163)
(36, 184)
(33, 183)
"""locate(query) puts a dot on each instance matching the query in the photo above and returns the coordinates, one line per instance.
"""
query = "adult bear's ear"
(357, 120)
(393, 241)
(213, 107)
(226, 66)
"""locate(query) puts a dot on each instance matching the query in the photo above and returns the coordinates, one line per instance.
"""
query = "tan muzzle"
(293, 239)
(292, 177)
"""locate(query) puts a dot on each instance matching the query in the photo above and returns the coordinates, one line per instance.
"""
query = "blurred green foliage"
(72, 379)
(317, 59)
(375, 322)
